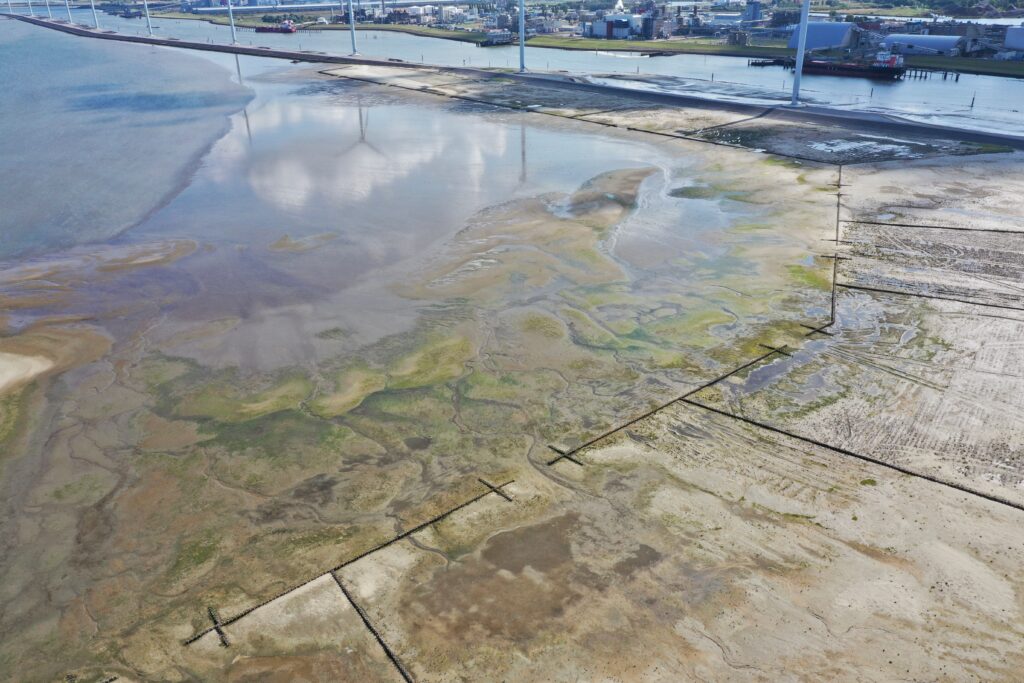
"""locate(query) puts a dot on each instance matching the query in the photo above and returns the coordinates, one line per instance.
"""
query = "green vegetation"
(694, 192)
(919, 8)
(699, 47)
(436, 363)
(909, 12)
(274, 436)
(10, 411)
(814, 276)
(543, 325)
(868, 482)
(985, 67)
(352, 387)
(225, 403)
(194, 553)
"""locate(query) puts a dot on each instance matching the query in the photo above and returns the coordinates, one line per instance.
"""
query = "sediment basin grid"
(922, 295)
(687, 398)
(369, 626)
(219, 624)
(1003, 231)
(569, 453)
(859, 456)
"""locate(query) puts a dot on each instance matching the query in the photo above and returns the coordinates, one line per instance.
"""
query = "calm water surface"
(998, 103)
(256, 160)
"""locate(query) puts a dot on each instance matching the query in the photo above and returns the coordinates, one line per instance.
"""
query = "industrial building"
(826, 35)
(1014, 39)
(619, 26)
(910, 44)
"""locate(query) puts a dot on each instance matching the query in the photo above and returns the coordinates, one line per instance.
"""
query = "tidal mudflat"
(366, 315)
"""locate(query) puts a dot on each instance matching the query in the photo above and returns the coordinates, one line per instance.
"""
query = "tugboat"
(286, 26)
(885, 66)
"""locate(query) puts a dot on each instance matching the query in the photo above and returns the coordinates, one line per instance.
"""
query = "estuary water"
(298, 188)
(974, 102)
(99, 137)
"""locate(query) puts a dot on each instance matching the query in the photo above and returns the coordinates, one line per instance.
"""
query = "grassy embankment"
(906, 12)
(988, 67)
(984, 67)
(688, 46)
(252, 21)
(862, 9)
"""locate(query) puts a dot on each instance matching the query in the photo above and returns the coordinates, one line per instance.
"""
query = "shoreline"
(476, 37)
(653, 48)
(806, 113)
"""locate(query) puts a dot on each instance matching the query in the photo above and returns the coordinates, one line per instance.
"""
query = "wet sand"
(16, 370)
(226, 420)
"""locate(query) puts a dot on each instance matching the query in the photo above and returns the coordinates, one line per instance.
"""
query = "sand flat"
(18, 369)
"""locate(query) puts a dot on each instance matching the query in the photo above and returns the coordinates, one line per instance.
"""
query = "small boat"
(286, 26)
(131, 14)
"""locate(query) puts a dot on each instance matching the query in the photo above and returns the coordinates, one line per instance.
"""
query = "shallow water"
(319, 289)
(973, 102)
(93, 139)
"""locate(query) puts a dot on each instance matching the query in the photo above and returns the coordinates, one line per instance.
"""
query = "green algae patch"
(194, 553)
(782, 161)
(817, 277)
(353, 386)
(226, 403)
(85, 490)
(694, 192)
(318, 538)
(334, 334)
(158, 371)
(693, 327)
(10, 414)
(276, 435)
(586, 332)
(440, 361)
(543, 325)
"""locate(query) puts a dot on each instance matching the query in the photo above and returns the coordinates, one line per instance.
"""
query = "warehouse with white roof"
(910, 44)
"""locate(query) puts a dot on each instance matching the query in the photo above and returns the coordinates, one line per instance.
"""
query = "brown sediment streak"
(405, 534)
(859, 456)
(369, 626)
(567, 454)
(1002, 231)
(922, 295)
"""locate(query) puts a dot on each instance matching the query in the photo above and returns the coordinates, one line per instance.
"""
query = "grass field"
(909, 12)
(987, 67)
(699, 47)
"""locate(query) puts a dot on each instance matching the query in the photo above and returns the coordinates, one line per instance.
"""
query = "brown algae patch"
(287, 243)
(149, 255)
(532, 241)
